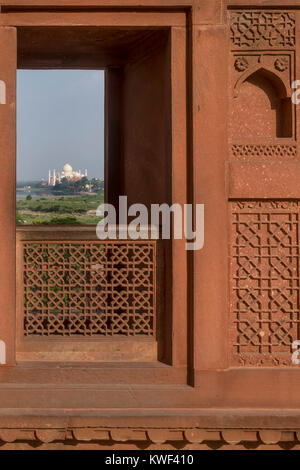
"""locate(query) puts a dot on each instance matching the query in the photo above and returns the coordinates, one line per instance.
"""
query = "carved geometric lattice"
(264, 282)
(89, 288)
(264, 151)
(262, 29)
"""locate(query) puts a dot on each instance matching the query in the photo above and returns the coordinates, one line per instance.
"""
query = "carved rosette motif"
(265, 310)
(281, 64)
(241, 64)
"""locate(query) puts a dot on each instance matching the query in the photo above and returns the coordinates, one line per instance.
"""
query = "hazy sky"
(60, 119)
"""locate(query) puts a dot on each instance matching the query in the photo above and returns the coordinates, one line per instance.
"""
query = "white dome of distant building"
(67, 169)
(67, 172)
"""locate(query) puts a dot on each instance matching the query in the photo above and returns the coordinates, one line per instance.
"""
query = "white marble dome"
(67, 169)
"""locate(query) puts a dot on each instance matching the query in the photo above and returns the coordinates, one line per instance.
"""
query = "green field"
(79, 209)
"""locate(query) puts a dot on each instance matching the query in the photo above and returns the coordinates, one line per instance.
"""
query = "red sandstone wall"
(146, 169)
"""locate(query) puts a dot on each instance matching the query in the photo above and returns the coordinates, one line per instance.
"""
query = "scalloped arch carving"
(262, 106)
(283, 89)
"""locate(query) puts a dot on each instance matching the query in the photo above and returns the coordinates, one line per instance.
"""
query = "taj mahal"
(67, 172)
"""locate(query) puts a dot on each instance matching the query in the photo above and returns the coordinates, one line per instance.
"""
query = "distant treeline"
(66, 186)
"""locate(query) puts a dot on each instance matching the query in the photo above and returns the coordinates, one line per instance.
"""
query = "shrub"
(19, 218)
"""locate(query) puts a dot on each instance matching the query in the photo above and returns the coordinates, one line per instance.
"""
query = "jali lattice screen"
(264, 282)
(89, 288)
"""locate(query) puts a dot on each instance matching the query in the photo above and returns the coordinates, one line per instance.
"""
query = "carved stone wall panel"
(89, 288)
(264, 282)
(262, 70)
(262, 29)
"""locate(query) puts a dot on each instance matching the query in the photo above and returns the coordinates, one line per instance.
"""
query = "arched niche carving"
(262, 106)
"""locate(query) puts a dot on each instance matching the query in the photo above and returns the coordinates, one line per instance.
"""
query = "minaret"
(85, 172)
(49, 177)
(54, 177)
